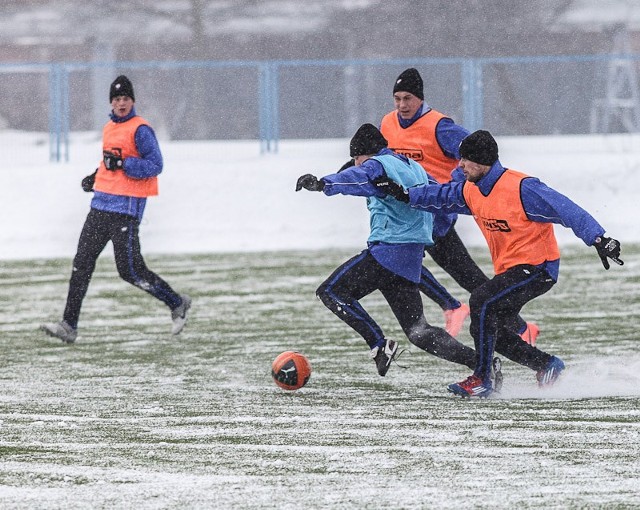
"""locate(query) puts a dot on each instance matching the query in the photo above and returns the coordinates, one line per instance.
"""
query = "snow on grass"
(130, 417)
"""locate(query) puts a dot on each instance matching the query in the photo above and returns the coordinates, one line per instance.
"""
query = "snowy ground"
(130, 417)
(225, 196)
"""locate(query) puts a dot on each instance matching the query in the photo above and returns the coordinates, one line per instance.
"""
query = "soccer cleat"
(472, 386)
(530, 335)
(549, 375)
(60, 330)
(179, 315)
(496, 375)
(454, 319)
(384, 355)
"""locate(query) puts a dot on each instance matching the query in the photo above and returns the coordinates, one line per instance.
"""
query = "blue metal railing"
(473, 89)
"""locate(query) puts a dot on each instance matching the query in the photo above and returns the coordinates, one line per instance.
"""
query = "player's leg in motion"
(132, 269)
(341, 293)
(454, 311)
(494, 306)
(450, 253)
(131, 265)
(94, 237)
(405, 302)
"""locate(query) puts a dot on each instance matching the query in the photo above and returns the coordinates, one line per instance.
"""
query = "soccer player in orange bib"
(515, 213)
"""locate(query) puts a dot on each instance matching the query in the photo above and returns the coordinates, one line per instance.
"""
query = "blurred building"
(560, 97)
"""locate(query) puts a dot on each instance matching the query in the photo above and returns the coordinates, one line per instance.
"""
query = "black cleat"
(179, 315)
(383, 356)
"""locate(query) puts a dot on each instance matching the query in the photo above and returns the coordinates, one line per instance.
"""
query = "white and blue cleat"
(549, 374)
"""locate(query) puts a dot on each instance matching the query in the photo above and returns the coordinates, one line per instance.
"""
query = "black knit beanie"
(121, 86)
(479, 147)
(410, 81)
(367, 140)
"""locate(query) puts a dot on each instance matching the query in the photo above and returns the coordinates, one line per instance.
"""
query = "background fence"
(268, 101)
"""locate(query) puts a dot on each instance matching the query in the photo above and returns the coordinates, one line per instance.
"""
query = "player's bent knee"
(423, 335)
(323, 294)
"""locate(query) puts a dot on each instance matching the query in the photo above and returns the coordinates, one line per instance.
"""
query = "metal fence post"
(275, 110)
(54, 112)
(268, 107)
(64, 111)
(263, 111)
(472, 94)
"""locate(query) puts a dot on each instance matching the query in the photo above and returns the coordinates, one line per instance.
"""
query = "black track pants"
(99, 228)
(360, 276)
(450, 254)
(494, 306)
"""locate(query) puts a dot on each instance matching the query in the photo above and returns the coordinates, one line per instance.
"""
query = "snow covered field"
(130, 417)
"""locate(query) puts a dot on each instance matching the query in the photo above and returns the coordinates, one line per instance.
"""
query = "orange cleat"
(454, 319)
(530, 335)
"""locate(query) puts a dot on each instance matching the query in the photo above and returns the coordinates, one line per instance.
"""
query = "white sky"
(226, 196)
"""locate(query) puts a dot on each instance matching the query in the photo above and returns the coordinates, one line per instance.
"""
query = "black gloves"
(112, 161)
(608, 248)
(310, 182)
(87, 182)
(391, 188)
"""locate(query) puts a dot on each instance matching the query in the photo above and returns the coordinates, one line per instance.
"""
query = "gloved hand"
(608, 248)
(87, 182)
(391, 188)
(310, 182)
(112, 161)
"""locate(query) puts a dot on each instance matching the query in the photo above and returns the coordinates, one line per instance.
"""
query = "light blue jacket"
(398, 235)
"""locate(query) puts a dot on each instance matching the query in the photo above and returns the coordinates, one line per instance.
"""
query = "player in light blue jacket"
(392, 261)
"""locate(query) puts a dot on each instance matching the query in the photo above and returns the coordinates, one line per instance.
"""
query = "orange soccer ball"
(291, 370)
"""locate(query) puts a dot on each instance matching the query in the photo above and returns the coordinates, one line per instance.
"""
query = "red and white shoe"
(454, 319)
(472, 386)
